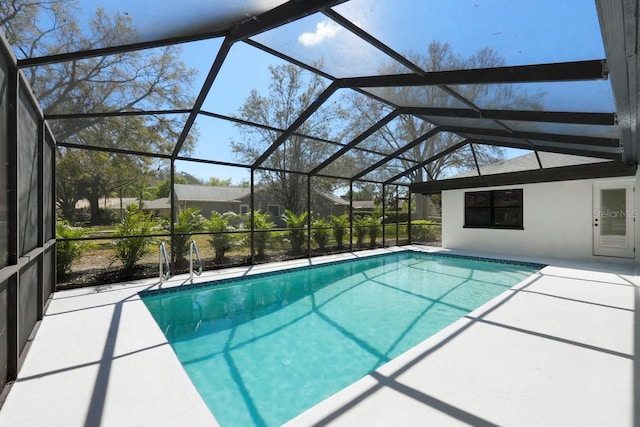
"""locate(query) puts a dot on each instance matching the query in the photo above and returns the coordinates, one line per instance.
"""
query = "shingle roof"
(364, 204)
(335, 199)
(529, 162)
(209, 193)
(162, 203)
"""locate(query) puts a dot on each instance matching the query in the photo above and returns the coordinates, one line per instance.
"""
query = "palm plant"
(360, 227)
(296, 225)
(339, 226)
(261, 223)
(221, 240)
(189, 221)
(373, 229)
(320, 232)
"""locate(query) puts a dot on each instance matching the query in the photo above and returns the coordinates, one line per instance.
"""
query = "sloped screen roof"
(522, 75)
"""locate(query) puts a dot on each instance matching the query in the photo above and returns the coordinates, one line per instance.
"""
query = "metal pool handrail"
(164, 259)
(193, 248)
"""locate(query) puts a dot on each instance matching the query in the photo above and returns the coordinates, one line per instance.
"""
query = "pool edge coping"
(258, 275)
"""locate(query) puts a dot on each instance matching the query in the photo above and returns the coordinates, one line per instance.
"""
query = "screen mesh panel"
(28, 175)
(4, 226)
(3, 333)
(27, 303)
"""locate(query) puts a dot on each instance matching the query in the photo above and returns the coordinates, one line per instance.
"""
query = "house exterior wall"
(557, 220)
(161, 213)
(324, 208)
(206, 208)
(262, 201)
(321, 206)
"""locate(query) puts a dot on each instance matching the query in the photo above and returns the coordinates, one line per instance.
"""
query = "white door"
(613, 219)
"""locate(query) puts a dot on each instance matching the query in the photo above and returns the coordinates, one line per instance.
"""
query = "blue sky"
(531, 32)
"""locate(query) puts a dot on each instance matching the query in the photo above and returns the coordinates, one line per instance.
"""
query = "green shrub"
(221, 241)
(360, 228)
(107, 216)
(320, 232)
(234, 220)
(261, 222)
(279, 240)
(391, 217)
(296, 225)
(67, 251)
(339, 227)
(373, 230)
(424, 230)
(130, 250)
(189, 221)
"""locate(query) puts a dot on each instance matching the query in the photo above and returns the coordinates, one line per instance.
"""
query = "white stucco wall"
(557, 222)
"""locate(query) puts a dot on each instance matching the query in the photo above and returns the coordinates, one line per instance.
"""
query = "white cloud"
(324, 30)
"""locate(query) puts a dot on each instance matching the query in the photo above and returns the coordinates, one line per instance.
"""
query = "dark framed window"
(274, 210)
(493, 209)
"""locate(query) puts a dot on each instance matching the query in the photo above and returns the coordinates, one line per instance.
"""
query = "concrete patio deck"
(560, 348)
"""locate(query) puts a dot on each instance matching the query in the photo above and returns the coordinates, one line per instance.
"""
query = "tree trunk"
(421, 207)
(121, 207)
(94, 204)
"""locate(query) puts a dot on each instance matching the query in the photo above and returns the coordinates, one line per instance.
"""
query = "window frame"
(492, 207)
(279, 210)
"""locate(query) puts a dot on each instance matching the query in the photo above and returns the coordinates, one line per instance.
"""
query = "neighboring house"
(223, 199)
(220, 199)
(158, 207)
(364, 206)
(323, 204)
(367, 207)
(209, 198)
(576, 207)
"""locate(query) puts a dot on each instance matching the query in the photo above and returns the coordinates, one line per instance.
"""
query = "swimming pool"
(262, 349)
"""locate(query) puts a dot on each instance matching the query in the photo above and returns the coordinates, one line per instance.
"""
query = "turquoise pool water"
(263, 349)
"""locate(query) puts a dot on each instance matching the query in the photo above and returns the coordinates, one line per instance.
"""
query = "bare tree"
(366, 111)
(140, 80)
(291, 91)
